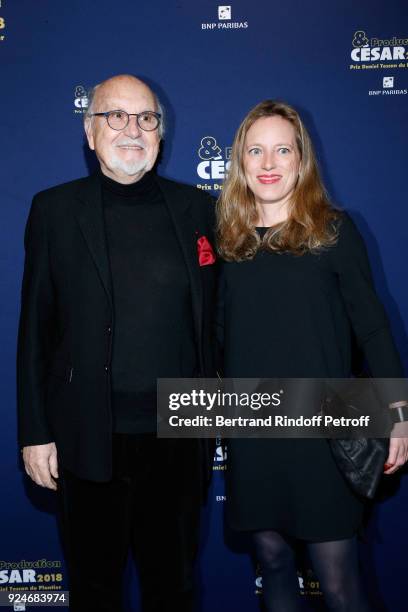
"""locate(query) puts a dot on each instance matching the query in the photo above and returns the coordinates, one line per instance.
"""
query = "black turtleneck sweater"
(153, 326)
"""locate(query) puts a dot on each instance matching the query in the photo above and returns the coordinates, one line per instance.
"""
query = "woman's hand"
(398, 454)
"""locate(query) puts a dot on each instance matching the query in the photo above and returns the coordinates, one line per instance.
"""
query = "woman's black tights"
(335, 564)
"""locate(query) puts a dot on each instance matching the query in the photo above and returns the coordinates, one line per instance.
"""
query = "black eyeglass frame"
(137, 115)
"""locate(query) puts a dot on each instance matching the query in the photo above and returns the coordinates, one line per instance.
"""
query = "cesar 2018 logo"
(80, 99)
(220, 451)
(378, 49)
(2, 25)
(213, 165)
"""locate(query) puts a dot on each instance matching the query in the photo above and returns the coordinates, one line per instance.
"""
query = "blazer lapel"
(186, 229)
(91, 221)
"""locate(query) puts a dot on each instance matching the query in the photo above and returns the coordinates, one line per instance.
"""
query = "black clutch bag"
(360, 460)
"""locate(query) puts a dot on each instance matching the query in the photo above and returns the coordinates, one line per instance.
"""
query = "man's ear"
(89, 132)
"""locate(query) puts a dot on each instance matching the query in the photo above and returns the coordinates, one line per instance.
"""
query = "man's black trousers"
(150, 507)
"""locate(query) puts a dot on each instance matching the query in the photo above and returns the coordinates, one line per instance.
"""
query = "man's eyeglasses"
(118, 119)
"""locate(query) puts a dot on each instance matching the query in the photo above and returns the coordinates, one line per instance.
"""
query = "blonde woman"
(296, 283)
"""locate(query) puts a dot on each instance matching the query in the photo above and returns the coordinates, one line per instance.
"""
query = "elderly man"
(117, 293)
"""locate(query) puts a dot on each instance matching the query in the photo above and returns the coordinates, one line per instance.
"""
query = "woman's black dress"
(293, 316)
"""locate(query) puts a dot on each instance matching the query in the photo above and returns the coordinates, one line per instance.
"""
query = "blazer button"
(106, 369)
(109, 330)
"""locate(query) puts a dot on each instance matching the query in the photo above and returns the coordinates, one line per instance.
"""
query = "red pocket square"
(205, 252)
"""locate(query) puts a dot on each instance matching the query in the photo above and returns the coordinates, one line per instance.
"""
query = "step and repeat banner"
(343, 65)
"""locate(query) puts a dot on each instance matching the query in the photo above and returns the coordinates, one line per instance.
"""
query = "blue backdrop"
(343, 64)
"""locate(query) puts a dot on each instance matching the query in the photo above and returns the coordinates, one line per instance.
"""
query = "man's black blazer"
(66, 323)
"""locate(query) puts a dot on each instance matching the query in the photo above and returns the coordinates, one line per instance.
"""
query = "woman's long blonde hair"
(310, 225)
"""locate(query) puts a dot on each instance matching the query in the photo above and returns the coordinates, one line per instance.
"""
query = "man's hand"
(41, 464)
